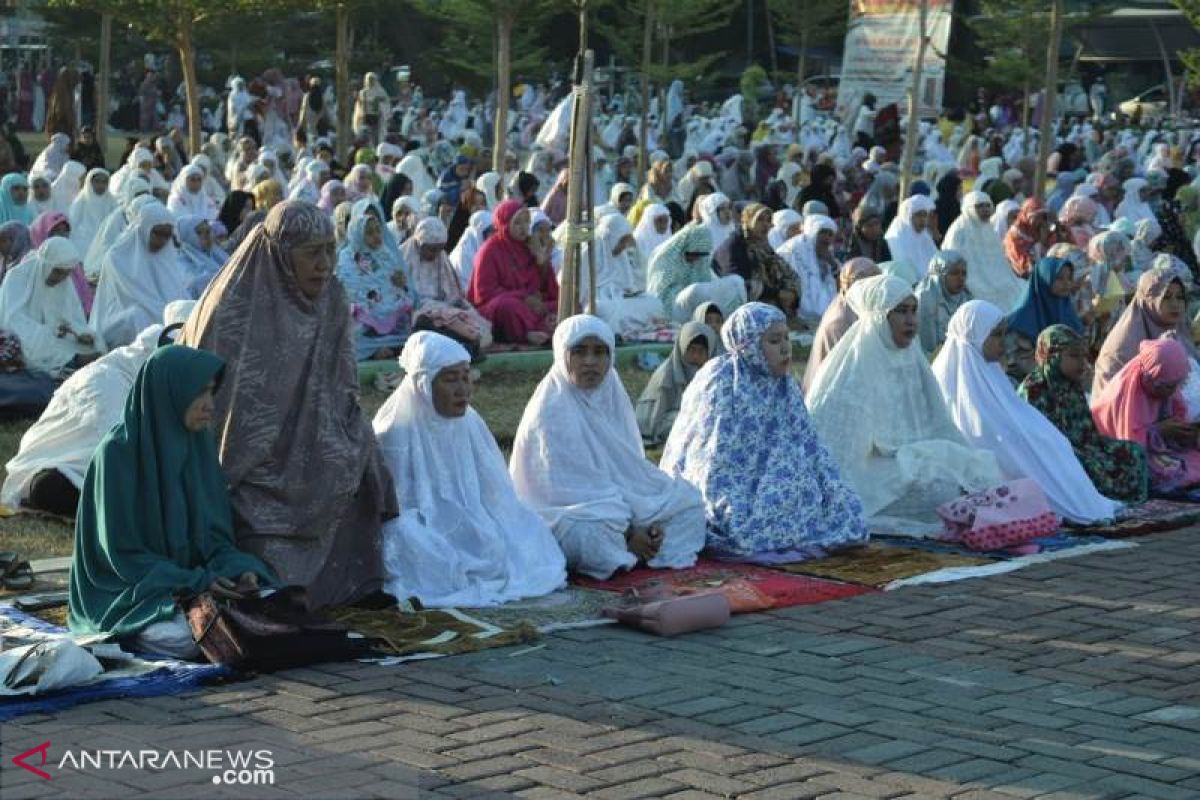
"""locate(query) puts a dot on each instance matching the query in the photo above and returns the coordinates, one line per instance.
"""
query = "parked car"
(1151, 104)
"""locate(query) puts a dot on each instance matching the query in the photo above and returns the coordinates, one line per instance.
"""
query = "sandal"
(18, 576)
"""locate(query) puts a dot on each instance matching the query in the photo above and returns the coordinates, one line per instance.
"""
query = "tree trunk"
(749, 32)
(662, 87)
(504, 25)
(1025, 122)
(1049, 102)
(647, 54)
(1172, 100)
(103, 80)
(770, 23)
(914, 107)
(568, 295)
(187, 62)
(341, 61)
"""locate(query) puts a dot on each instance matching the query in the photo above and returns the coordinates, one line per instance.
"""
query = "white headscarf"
(412, 166)
(647, 237)
(185, 203)
(33, 311)
(65, 187)
(135, 284)
(462, 257)
(993, 417)
(1000, 216)
(88, 212)
(487, 183)
(780, 222)
(989, 274)
(212, 186)
(578, 453)
(872, 399)
(818, 281)
(1132, 207)
(83, 410)
(709, 215)
(918, 249)
(53, 156)
(463, 536)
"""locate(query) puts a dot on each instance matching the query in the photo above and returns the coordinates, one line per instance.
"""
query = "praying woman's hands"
(247, 583)
(225, 589)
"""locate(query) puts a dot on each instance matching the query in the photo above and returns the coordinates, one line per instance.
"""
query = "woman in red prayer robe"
(513, 284)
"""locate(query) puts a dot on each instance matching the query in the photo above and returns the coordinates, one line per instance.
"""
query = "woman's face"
(777, 349)
(99, 184)
(204, 235)
(984, 211)
(452, 391)
(1173, 305)
(445, 213)
(903, 321)
(478, 202)
(588, 362)
(199, 414)
(41, 189)
(696, 353)
(662, 224)
(824, 242)
(58, 275)
(1073, 363)
(373, 234)
(159, 236)
(313, 264)
(872, 229)
(195, 182)
(19, 194)
(623, 244)
(625, 202)
(6, 243)
(955, 279)
(714, 319)
(1160, 390)
(462, 170)
(725, 214)
(920, 220)
(337, 196)
(518, 226)
(993, 345)
(761, 226)
(363, 183)
(1064, 282)
(429, 252)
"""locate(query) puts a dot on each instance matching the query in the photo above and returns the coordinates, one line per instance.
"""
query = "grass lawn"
(500, 396)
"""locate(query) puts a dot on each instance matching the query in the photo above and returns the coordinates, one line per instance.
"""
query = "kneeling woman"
(578, 460)
(771, 490)
(878, 409)
(155, 517)
(462, 538)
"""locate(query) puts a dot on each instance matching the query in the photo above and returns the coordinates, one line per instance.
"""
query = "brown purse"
(267, 633)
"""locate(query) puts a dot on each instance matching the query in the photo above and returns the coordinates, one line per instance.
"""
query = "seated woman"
(1109, 254)
(376, 284)
(681, 275)
(621, 298)
(1030, 237)
(40, 306)
(47, 472)
(747, 254)
(810, 256)
(1142, 404)
(138, 542)
(973, 234)
(578, 461)
(1047, 301)
(711, 315)
(513, 286)
(1056, 388)
(652, 231)
(441, 302)
(309, 490)
(771, 490)
(992, 417)
(1159, 306)
(942, 292)
(909, 238)
(140, 274)
(659, 403)
(462, 538)
(879, 410)
(199, 254)
(838, 318)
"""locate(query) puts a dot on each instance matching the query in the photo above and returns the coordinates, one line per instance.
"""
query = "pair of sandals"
(15, 573)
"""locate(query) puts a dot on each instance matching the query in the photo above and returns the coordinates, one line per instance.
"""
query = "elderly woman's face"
(313, 264)
(588, 362)
(903, 322)
(159, 236)
(452, 391)
(777, 349)
(518, 226)
(373, 233)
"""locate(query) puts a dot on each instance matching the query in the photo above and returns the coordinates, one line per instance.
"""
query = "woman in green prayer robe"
(154, 516)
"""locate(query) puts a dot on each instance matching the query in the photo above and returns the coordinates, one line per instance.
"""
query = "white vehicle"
(1150, 105)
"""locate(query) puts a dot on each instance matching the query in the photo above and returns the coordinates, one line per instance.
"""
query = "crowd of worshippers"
(196, 332)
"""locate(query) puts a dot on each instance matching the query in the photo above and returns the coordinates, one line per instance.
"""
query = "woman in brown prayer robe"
(309, 489)
(838, 318)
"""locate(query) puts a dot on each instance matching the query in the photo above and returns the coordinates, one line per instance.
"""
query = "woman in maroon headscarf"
(513, 285)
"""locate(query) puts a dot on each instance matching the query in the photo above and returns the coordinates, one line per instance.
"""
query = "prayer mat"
(1153, 516)
(428, 633)
(1060, 541)
(748, 587)
(878, 565)
(572, 607)
(157, 676)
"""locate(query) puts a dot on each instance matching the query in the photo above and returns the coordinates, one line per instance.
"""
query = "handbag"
(675, 615)
(267, 632)
(1008, 515)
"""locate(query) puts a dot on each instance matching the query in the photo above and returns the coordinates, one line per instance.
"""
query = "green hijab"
(154, 516)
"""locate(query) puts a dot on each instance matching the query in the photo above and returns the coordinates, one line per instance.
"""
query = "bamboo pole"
(345, 98)
(581, 112)
(647, 54)
(914, 105)
(1049, 101)
(103, 81)
(504, 25)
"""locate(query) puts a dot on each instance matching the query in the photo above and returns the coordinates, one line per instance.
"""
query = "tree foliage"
(804, 23)
(1191, 57)
(675, 22)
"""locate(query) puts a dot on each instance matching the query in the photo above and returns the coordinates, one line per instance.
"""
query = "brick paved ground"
(1075, 679)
